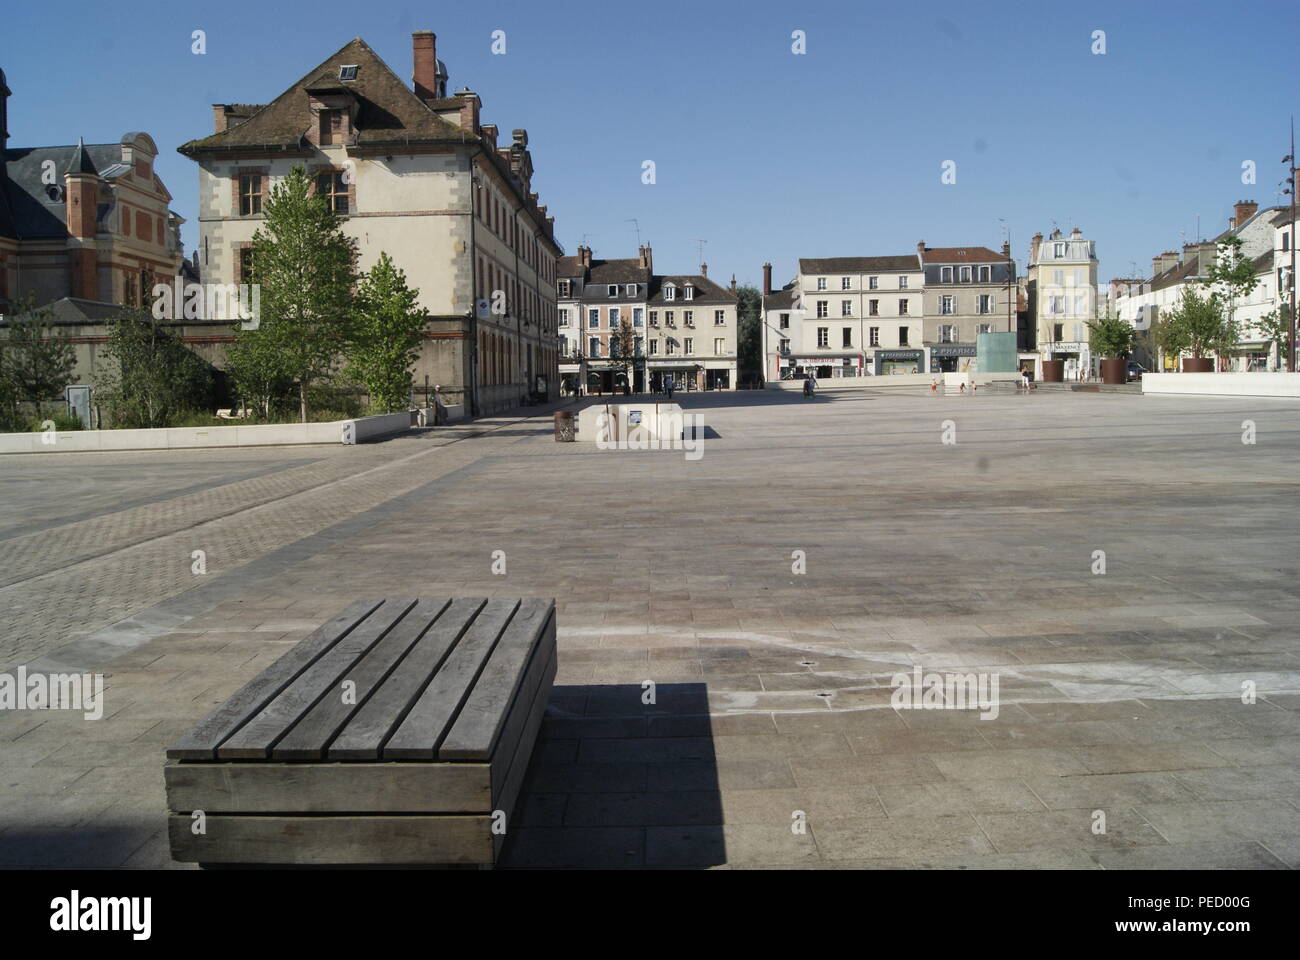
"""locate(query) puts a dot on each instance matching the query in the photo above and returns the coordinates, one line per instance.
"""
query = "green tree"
(622, 349)
(1198, 325)
(149, 377)
(306, 269)
(385, 335)
(40, 359)
(1276, 328)
(749, 335)
(1112, 337)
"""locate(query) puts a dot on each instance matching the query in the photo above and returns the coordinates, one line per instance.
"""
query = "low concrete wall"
(897, 380)
(1223, 384)
(178, 438)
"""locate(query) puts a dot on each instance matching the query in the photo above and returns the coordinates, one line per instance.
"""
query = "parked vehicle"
(1135, 371)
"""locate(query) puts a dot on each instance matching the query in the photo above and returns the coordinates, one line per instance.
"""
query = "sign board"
(78, 398)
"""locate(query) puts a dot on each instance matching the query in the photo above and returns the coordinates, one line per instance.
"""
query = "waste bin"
(565, 430)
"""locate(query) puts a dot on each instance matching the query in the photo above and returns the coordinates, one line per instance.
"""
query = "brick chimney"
(704, 270)
(767, 279)
(920, 250)
(733, 283)
(646, 259)
(1242, 211)
(1006, 249)
(470, 105)
(584, 256)
(424, 64)
(1034, 244)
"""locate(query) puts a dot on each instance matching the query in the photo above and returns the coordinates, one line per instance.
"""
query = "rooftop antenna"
(701, 247)
(586, 235)
(635, 223)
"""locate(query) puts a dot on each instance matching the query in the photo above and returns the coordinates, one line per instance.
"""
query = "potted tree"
(1197, 325)
(1112, 339)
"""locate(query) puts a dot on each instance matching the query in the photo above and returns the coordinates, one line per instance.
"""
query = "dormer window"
(965, 274)
(670, 292)
(613, 289)
(631, 289)
(332, 127)
(348, 72)
(564, 288)
(945, 274)
(690, 292)
(1058, 251)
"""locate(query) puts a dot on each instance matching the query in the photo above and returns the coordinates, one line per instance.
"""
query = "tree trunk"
(302, 399)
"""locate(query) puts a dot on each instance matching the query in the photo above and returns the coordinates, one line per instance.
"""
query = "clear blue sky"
(767, 155)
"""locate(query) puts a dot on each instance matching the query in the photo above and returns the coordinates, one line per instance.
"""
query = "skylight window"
(348, 72)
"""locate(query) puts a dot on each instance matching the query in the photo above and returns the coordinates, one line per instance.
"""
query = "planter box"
(1114, 371)
(1198, 365)
(1053, 371)
(1223, 384)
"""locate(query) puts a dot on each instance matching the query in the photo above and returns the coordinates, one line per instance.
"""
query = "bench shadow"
(617, 783)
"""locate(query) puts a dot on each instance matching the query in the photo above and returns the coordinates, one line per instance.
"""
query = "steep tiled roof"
(962, 255)
(29, 208)
(618, 271)
(1176, 274)
(706, 291)
(906, 261)
(779, 299)
(390, 112)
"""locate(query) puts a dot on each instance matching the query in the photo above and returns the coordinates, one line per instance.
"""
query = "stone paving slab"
(773, 740)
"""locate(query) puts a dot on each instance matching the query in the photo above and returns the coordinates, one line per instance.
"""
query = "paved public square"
(772, 741)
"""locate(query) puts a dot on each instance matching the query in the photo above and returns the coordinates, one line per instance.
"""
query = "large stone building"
(683, 327)
(418, 176)
(85, 223)
(871, 316)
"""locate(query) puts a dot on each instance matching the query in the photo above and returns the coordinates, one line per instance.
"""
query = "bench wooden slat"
(255, 739)
(201, 743)
(505, 789)
(478, 726)
(364, 734)
(358, 789)
(313, 733)
(420, 733)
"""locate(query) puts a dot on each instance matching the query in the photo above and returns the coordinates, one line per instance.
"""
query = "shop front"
(827, 366)
(892, 362)
(952, 358)
(684, 376)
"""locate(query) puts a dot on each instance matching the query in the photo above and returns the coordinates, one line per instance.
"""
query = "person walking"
(668, 387)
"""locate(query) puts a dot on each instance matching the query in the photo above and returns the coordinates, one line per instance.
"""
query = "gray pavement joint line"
(4, 585)
(43, 527)
(167, 615)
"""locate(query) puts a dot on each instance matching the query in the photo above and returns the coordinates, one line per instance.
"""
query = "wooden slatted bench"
(397, 733)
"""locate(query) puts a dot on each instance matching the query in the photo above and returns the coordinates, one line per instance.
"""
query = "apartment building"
(968, 291)
(1062, 292)
(418, 176)
(1265, 240)
(683, 327)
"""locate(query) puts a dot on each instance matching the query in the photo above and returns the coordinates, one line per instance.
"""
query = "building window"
(564, 288)
(720, 346)
(654, 348)
(821, 283)
(946, 333)
(719, 317)
(668, 317)
(331, 127)
(613, 289)
(688, 317)
(873, 308)
(873, 283)
(902, 337)
(946, 305)
(984, 303)
(902, 283)
(654, 318)
(564, 318)
(823, 336)
(874, 333)
(690, 345)
(593, 347)
(690, 292)
(902, 308)
(672, 346)
(1058, 278)
(984, 328)
(945, 274)
(593, 319)
(670, 292)
(846, 339)
(784, 348)
(965, 274)
(1058, 251)
(1058, 332)
(823, 309)
(846, 308)
(613, 317)
(986, 274)
(1056, 305)
(631, 289)
(330, 185)
(785, 321)
(844, 283)
(250, 194)
(638, 317)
